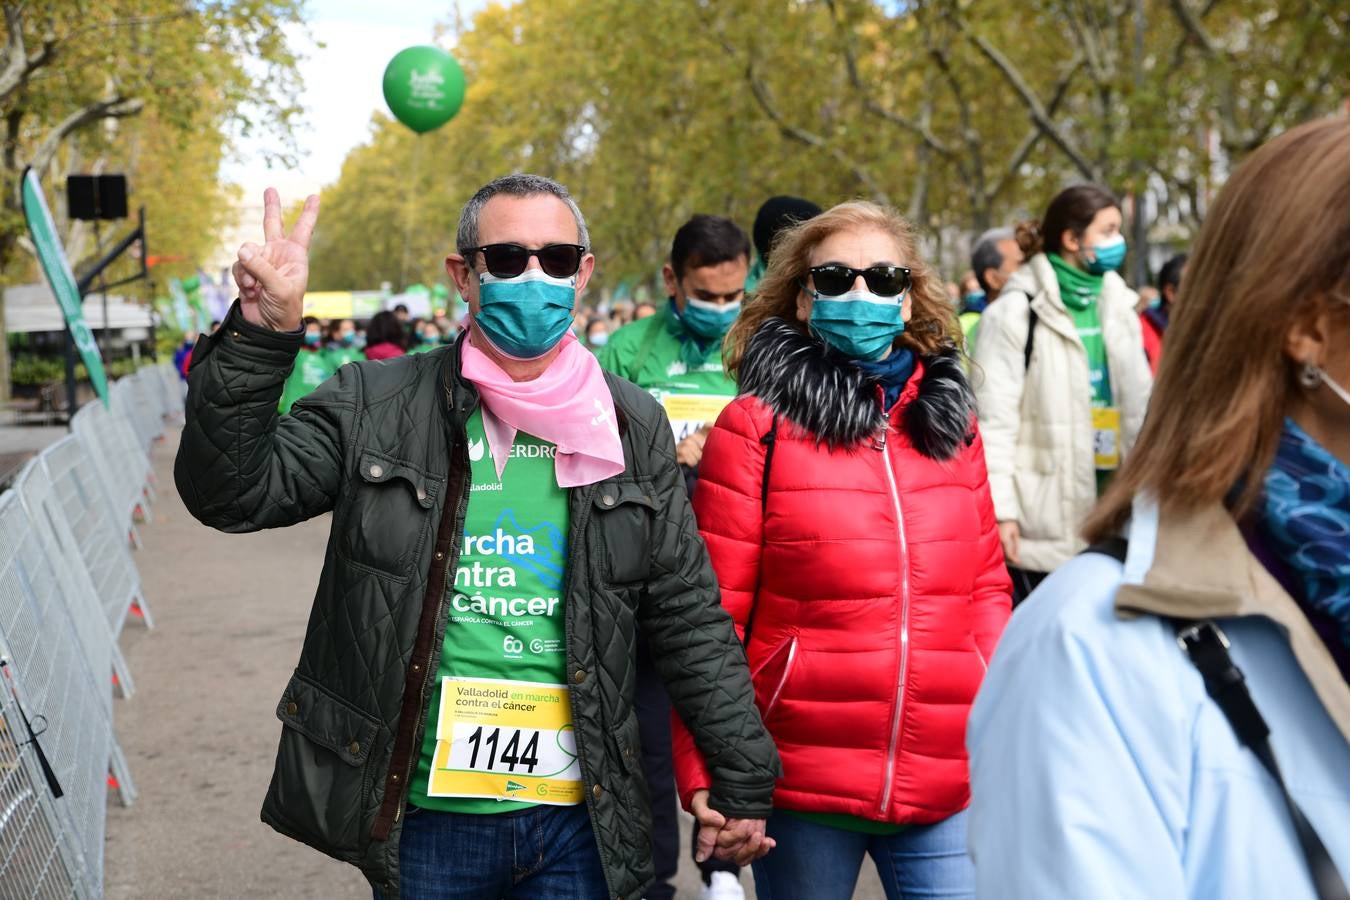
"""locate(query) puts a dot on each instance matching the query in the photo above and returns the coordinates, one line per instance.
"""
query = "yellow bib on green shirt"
(499, 733)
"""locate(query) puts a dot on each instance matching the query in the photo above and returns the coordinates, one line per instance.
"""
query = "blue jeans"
(541, 852)
(817, 862)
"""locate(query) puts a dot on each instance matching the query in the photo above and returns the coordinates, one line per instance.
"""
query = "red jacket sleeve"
(991, 602)
(727, 505)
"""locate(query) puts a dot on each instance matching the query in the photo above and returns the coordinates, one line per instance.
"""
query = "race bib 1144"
(505, 740)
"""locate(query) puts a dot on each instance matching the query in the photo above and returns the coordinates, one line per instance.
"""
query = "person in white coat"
(1112, 750)
(1061, 380)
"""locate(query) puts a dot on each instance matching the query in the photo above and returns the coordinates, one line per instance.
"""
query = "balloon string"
(408, 215)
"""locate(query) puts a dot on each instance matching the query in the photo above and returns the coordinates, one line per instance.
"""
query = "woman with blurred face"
(1173, 709)
(845, 506)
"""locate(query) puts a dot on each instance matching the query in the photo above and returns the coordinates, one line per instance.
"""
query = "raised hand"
(272, 277)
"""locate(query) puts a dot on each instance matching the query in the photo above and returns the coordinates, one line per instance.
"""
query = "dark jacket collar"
(821, 391)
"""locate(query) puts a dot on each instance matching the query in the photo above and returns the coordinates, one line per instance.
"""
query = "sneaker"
(725, 886)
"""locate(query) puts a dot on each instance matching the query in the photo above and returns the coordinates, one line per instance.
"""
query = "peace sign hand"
(272, 278)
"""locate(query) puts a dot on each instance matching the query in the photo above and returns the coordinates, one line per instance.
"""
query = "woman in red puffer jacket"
(844, 502)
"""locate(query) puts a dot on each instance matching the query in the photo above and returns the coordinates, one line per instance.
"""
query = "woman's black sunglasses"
(884, 281)
(510, 260)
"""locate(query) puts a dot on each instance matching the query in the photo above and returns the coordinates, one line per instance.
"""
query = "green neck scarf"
(694, 351)
(1076, 288)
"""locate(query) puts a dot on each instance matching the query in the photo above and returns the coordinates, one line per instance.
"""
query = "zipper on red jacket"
(897, 715)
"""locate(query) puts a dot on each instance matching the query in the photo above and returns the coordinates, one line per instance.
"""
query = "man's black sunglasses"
(510, 260)
(884, 281)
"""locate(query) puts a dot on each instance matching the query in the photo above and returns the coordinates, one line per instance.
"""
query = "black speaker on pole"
(92, 197)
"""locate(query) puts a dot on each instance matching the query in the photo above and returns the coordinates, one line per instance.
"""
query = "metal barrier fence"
(67, 583)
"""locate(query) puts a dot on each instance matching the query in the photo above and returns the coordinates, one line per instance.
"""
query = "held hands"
(740, 840)
(272, 277)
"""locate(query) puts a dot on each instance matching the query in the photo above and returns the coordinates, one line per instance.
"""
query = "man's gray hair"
(518, 185)
(986, 254)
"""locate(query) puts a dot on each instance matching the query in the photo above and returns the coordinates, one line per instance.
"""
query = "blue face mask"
(706, 320)
(599, 340)
(858, 324)
(526, 316)
(1107, 256)
(974, 302)
(312, 338)
(347, 339)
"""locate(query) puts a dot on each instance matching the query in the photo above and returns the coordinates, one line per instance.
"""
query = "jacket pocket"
(322, 778)
(386, 514)
(771, 675)
(1039, 495)
(624, 513)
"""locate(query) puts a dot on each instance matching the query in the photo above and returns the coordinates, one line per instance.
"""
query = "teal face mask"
(526, 316)
(312, 338)
(708, 321)
(859, 324)
(1107, 256)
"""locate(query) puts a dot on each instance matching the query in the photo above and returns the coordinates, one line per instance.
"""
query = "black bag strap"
(770, 440)
(1032, 319)
(1207, 647)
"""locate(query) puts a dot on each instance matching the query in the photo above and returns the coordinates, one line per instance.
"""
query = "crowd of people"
(756, 553)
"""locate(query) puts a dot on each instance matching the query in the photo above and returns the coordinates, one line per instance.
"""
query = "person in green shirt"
(312, 367)
(425, 337)
(677, 353)
(342, 347)
(677, 356)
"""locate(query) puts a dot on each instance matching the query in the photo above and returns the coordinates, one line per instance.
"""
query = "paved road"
(201, 732)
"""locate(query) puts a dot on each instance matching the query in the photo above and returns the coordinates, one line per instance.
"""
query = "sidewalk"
(201, 733)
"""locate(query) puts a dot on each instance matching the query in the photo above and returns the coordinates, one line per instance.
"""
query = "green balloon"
(191, 283)
(424, 87)
(439, 290)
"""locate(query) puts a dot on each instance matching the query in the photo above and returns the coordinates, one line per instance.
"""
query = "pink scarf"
(569, 405)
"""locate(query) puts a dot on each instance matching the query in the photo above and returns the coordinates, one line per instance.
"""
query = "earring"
(1310, 377)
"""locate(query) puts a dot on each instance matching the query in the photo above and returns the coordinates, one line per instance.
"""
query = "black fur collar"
(816, 388)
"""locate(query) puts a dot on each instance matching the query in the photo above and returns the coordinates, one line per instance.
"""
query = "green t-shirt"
(506, 624)
(340, 356)
(845, 822)
(647, 353)
(312, 368)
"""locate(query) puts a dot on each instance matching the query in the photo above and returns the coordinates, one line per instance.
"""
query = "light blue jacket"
(1101, 769)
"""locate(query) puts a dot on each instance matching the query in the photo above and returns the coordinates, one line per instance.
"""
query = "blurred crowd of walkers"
(784, 571)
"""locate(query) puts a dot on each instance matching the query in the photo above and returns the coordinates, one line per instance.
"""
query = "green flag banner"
(187, 320)
(62, 280)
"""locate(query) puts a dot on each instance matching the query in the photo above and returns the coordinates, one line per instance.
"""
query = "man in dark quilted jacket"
(505, 518)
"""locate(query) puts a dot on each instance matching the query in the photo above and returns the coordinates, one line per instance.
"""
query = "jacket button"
(596, 792)
(376, 471)
(393, 778)
(354, 747)
(417, 667)
(607, 500)
(579, 676)
(439, 554)
(292, 708)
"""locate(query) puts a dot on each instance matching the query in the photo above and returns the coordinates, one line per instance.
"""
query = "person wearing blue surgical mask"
(1062, 380)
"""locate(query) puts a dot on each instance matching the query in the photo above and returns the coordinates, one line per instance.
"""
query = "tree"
(155, 88)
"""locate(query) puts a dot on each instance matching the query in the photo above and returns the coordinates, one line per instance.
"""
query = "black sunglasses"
(884, 281)
(510, 260)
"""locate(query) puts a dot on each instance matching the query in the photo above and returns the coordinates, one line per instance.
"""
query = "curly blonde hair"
(932, 326)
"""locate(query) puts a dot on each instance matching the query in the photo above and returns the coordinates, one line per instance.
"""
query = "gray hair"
(518, 185)
(986, 254)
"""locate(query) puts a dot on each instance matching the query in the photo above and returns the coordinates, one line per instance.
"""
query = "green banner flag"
(62, 280)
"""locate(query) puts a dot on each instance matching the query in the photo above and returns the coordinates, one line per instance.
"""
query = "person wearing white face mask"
(1061, 379)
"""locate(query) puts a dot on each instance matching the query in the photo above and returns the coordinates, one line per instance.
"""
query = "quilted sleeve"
(241, 466)
(998, 375)
(991, 601)
(697, 654)
(730, 517)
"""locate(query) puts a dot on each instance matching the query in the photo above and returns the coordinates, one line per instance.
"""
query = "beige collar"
(1196, 565)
